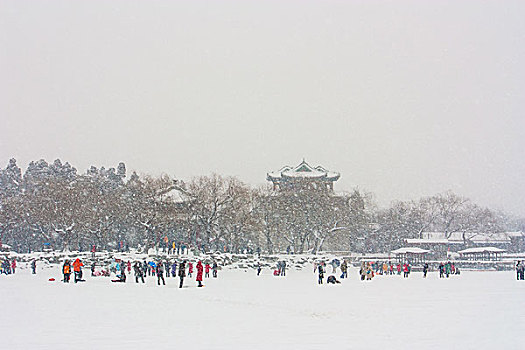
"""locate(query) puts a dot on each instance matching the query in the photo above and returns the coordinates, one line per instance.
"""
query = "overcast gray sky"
(403, 98)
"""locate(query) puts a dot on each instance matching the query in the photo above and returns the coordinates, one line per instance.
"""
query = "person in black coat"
(331, 279)
(33, 266)
(214, 268)
(138, 272)
(159, 271)
(167, 268)
(182, 272)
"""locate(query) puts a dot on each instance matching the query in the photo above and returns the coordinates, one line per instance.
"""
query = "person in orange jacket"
(66, 270)
(77, 268)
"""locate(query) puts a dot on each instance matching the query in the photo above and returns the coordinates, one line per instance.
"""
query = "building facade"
(303, 177)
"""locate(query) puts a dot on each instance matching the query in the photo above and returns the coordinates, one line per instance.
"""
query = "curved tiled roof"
(303, 170)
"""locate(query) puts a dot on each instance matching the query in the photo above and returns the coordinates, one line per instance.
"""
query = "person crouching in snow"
(331, 279)
(121, 278)
(199, 273)
(207, 270)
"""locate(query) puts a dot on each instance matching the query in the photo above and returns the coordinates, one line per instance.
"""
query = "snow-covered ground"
(477, 310)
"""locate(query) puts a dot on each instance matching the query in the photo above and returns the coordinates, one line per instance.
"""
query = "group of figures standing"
(77, 270)
(369, 269)
(7, 267)
(174, 269)
(142, 270)
(331, 279)
(447, 269)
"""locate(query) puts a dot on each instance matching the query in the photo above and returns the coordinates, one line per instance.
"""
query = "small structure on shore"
(411, 254)
(481, 253)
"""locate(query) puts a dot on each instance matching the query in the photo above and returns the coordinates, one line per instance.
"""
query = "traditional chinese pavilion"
(303, 176)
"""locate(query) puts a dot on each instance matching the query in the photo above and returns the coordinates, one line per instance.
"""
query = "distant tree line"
(52, 204)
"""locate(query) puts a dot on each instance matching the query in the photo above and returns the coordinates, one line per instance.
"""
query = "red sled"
(51, 279)
(276, 272)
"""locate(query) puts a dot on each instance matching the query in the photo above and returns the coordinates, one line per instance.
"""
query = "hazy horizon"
(403, 98)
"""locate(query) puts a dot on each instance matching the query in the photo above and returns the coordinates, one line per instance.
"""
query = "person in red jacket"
(207, 270)
(199, 273)
(405, 270)
(190, 269)
(77, 268)
(13, 265)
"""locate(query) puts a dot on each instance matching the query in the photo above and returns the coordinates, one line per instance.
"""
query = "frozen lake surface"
(476, 310)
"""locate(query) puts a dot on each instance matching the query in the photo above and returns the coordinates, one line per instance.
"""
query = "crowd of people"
(369, 269)
(184, 268)
(7, 266)
(320, 268)
(280, 270)
(159, 270)
(447, 269)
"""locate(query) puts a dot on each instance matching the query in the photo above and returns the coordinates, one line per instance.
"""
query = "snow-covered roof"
(482, 250)
(454, 236)
(491, 238)
(515, 234)
(475, 237)
(303, 170)
(430, 241)
(174, 195)
(6, 246)
(410, 250)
